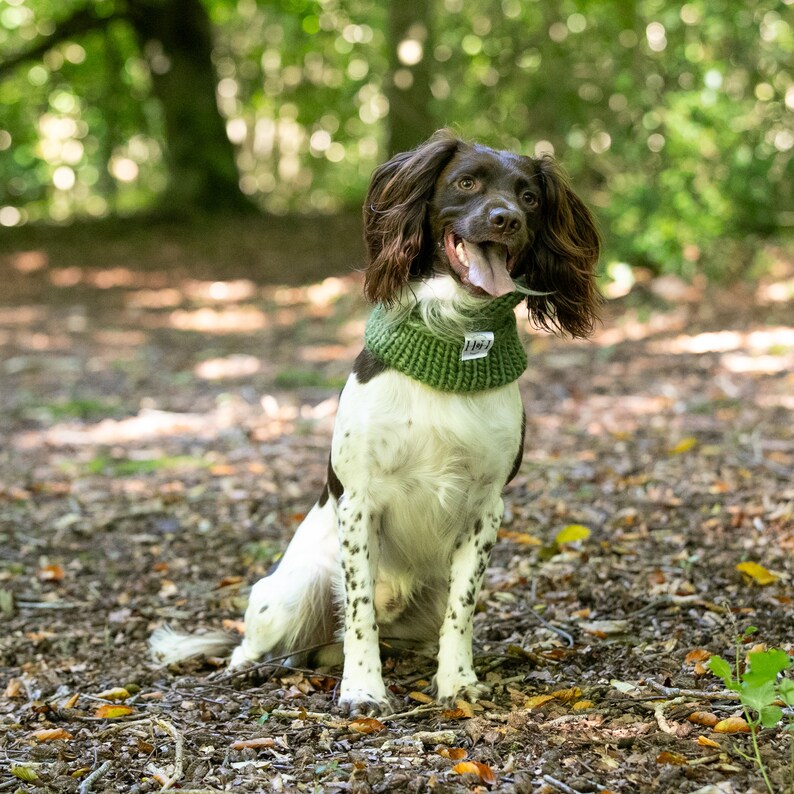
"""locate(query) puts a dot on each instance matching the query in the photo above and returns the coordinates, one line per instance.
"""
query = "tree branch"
(82, 21)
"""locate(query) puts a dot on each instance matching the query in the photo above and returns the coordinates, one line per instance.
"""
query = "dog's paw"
(243, 656)
(364, 700)
(461, 686)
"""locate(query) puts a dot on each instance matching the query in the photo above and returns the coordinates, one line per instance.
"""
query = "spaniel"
(430, 424)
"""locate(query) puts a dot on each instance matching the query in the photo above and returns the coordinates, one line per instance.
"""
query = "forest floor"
(165, 420)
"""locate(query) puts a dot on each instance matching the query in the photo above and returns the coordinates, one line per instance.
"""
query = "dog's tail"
(170, 647)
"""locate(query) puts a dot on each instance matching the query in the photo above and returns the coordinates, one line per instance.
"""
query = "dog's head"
(487, 217)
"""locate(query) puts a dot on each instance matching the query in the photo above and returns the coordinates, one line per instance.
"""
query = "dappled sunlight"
(781, 338)
(228, 368)
(631, 327)
(219, 291)
(237, 320)
(29, 261)
(165, 298)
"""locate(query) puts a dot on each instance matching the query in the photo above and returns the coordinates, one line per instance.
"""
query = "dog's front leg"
(362, 690)
(455, 674)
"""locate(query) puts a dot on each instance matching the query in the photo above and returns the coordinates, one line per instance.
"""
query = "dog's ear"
(395, 213)
(563, 258)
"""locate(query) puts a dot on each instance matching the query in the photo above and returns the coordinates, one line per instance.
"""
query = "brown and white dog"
(398, 543)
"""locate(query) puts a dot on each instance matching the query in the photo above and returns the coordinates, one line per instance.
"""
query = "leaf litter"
(157, 460)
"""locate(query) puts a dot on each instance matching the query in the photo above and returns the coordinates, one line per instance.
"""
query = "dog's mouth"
(483, 266)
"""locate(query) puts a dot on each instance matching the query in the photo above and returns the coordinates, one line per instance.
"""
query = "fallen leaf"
(705, 718)
(666, 757)
(732, 725)
(420, 697)
(116, 693)
(581, 705)
(51, 734)
(465, 707)
(453, 753)
(367, 725)
(757, 572)
(697, 655)
(537, 700)
(704, 741)
(684, 445)
(228, 581)
(255, 744)
(24, 772)
(567, 695)
(571, 534)
(112, 712)
(13, 688)
(483, 771)
(455, 714)
(522, 538)
(51, 573)
(71, 701)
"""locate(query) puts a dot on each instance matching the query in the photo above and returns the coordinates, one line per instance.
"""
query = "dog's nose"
(505, 220)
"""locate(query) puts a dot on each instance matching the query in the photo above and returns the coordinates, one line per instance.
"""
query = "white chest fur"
(427, 459)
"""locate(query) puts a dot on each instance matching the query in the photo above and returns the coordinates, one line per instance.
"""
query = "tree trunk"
(176, 37)
(408, 88)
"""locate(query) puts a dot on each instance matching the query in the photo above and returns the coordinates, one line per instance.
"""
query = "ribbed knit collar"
(411, 347)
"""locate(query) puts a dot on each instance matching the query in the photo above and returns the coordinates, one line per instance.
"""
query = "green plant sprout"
(760, 688)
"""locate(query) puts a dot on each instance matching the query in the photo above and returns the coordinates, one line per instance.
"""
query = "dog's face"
(487, 217)
(483, 216)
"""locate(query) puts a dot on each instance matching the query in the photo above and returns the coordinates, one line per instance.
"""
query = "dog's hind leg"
(293, 608)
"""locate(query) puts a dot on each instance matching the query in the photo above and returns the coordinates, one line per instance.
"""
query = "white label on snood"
(476, 345)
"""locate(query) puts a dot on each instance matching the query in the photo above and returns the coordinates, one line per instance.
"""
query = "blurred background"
(674, 119)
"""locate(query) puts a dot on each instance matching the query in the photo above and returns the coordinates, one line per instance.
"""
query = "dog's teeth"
(461, 252)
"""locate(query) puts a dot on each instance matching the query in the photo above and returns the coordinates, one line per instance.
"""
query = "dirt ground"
(165, 415)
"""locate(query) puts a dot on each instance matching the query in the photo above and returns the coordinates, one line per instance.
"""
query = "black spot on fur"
(520, 454)
(334, 484)
(367, 365)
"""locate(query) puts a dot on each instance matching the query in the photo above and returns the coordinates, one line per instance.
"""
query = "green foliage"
(760, 687)
(674, 120)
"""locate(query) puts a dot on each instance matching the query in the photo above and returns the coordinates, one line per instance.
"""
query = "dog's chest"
(409, 445)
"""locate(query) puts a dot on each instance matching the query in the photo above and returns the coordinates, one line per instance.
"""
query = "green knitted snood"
(412, 348)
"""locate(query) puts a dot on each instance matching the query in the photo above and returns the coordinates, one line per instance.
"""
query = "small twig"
(423, 708)
(551, 627)
(99, 772)
(559, 785)
(661, 720)
(272, 662)
(179, 752)
(315, 716)
(675, 692)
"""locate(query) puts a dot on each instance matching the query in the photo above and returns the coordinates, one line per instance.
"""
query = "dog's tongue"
(488, 268)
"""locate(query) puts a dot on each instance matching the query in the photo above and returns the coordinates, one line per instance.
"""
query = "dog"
(430, 426)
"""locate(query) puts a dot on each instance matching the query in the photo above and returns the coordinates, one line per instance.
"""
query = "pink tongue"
(488, 268)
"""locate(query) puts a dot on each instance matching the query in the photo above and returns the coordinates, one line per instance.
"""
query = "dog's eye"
(466, 183)
(530, 198)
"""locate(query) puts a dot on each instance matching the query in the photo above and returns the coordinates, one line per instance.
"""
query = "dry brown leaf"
(732, 725)
(697, 655)
(454, 714)
(112, 712)
(116, 693)
(581, 705)
(465, 707)
(705, 718)
(228, 581)
(367, 725)
(666, 757)
(14, 688)
(704, 741)
(256, 743)
(51, 573)
(522, 538)
(51, 734)
(537, 700)
(453, 753)
(71, 701)
(567, 695)
(483, 771)
(420, 697)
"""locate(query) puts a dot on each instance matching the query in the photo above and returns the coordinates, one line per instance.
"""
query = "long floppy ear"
(563, 258)
(395, 214)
